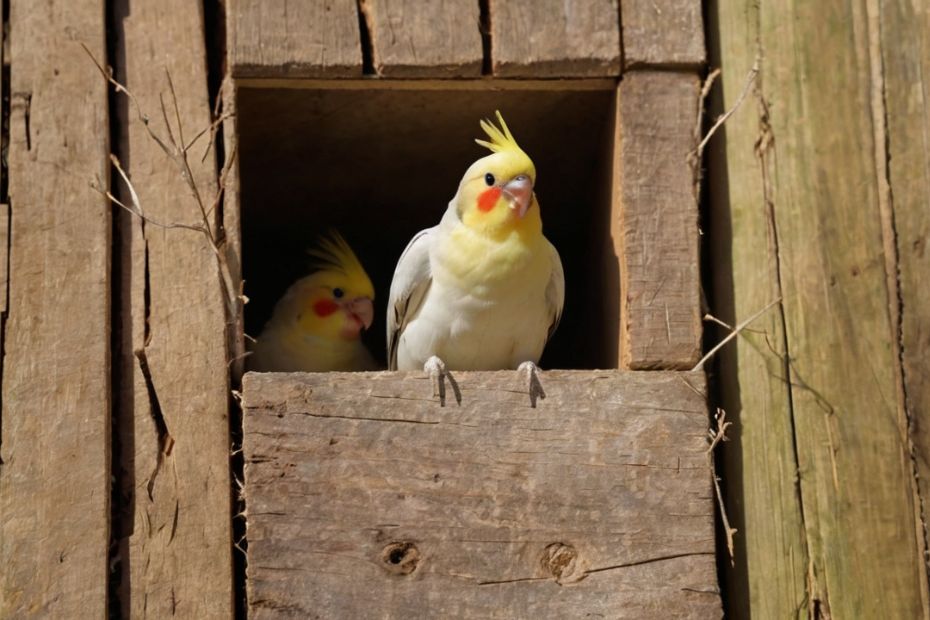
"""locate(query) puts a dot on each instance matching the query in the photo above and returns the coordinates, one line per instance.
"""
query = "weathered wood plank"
(769, 575)
(655, 227)
(555, 38)
(363, 494)
(410, 38)
(817, 170)
(662, 33)
(294, 38)
(174, 433)
(905, 46)
(55, 472)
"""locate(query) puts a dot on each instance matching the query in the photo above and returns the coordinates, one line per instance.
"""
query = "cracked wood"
(655, 221)
(363, 494)
(294, 38)
(174, 526)
(555, 38)
(55, 444)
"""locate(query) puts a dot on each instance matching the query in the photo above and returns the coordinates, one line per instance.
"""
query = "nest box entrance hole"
(380, 161)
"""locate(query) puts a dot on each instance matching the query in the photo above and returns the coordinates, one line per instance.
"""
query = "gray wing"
(555, 291)
(412, 278)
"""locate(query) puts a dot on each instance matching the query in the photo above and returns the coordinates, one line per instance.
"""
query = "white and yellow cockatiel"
(484, 289)
(316, 326)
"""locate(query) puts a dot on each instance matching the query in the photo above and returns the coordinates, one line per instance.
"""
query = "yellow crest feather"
(501, 139)
(333, 253)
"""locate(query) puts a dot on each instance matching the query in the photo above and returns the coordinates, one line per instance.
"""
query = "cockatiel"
(484, 289)
(316, 326)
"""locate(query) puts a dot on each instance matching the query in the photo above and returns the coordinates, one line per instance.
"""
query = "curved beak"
(361, 308)
(519, 191)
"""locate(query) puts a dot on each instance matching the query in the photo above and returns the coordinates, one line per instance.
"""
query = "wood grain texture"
(173, 427)
(411, 38)
(55, 472)
(906, 54)
(655, 225)
(362, 494)
(769, 576)
(815, 169)
(294, 38)
(663, 33)
(555, 38)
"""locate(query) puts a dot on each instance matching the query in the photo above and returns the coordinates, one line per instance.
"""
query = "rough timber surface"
(663, 33)
(55, 450)
(655, 227)
(175, 538)
(807, 161)
(411, 38)
(906, 55)
(363, 494)
(294, 38)
(555, 38)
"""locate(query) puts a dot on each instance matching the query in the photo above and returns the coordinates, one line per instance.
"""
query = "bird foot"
(534, 385)
(436, 369)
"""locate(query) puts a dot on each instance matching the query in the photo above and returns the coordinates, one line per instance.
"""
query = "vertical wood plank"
(55, 472)
(411, 38)
(905, 41)
(769, 576)
(555, 38)
(662, 32)
(176, 557)
(294, 38)
(655, 223)
(821, 161)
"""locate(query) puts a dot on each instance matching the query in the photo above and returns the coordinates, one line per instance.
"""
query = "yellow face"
(496, 195)
(330, 305)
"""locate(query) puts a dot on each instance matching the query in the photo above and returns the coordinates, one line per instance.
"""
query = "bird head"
(335, 301)
(496, 194)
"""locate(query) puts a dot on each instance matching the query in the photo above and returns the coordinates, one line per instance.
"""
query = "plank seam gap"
(484, 25)
(4, 196)
(889, 229)
(366, 38)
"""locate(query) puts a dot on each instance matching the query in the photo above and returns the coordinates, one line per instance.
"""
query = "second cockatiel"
(484, 289)
(316, 326)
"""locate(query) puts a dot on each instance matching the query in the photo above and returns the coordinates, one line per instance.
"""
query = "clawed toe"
(436, 369)
(534, 385)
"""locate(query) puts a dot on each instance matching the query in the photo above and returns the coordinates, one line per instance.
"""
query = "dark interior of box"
(380, 163)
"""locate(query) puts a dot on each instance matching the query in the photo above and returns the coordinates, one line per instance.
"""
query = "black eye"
(489, 179)
(338, 293)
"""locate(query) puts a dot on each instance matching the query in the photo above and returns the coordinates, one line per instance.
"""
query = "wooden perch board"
(363, 494)
(655, 227)
(55, 467)
(555, 38)
(411, 38)
(294, 38)
(663, 32)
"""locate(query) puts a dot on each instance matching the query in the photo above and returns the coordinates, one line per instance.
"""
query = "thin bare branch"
(718, 435)
(733, 334)
(750, 78)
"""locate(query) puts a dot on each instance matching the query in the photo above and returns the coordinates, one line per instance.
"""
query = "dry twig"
(177, 149)
(733, 334)
(717, 435)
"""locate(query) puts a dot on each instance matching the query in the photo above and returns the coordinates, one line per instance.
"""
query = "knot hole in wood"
(400, 558)
(561, 561)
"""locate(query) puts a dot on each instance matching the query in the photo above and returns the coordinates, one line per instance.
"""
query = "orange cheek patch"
(488, 199)
(325, 307)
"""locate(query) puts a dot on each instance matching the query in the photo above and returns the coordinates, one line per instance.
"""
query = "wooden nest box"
(363, 497)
